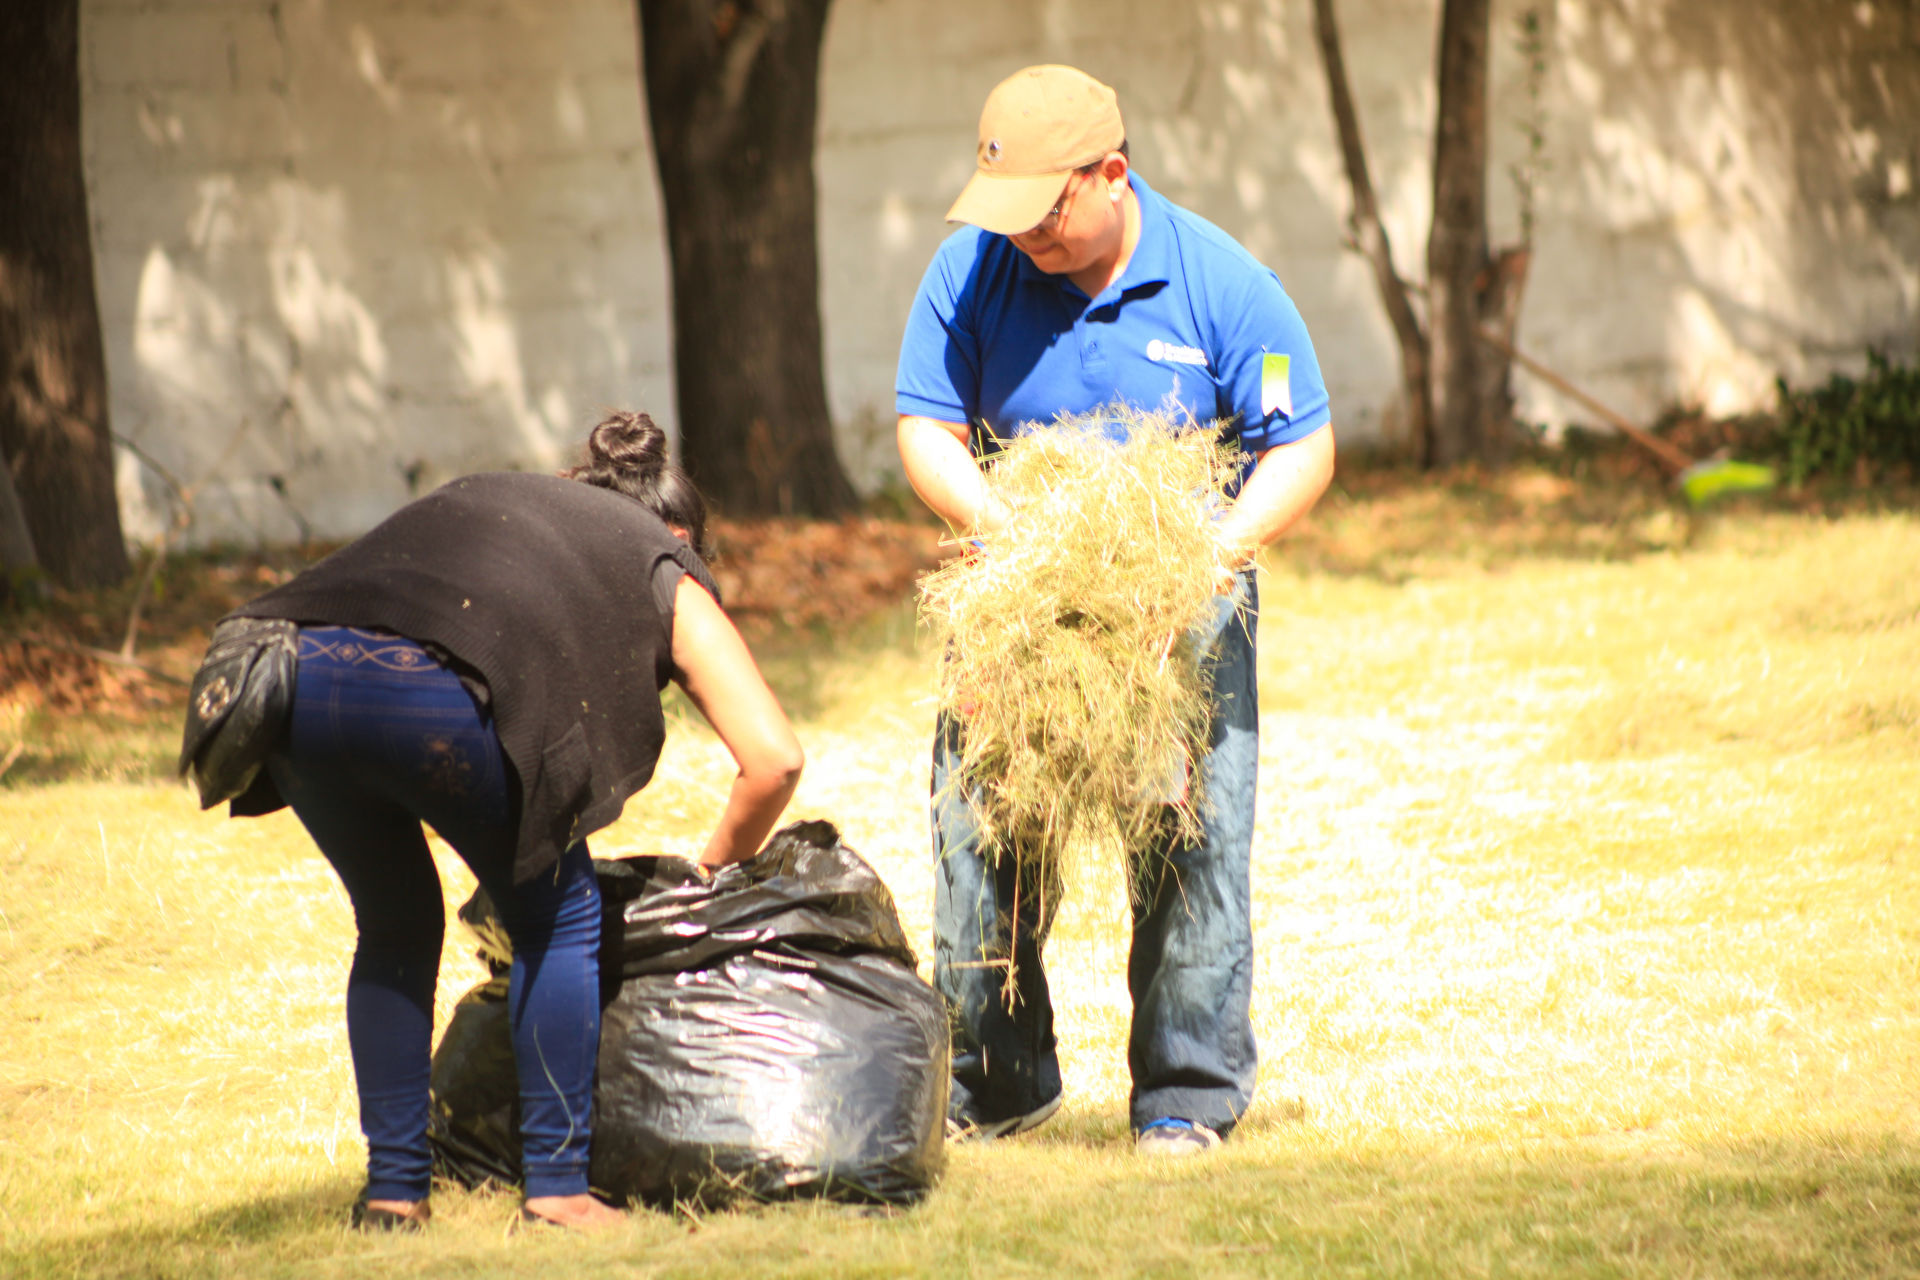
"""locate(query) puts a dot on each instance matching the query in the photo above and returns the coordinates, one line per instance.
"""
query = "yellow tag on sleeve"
(1275, 391)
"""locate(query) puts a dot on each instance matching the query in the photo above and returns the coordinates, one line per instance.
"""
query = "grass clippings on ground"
(1587, 919)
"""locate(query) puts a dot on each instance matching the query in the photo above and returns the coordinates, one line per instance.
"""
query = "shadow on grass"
(262, 1226)
(1833, 1204)
(1393, 527)
(138, 745)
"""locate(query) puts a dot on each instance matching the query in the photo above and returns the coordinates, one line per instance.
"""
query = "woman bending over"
(489, 661)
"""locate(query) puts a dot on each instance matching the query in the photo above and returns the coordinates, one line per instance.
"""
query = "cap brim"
(1008, 204)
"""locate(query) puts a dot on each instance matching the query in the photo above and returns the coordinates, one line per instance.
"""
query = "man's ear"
(1113, 170)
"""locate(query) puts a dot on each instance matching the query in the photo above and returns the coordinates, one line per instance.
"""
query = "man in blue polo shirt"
(1075, 286)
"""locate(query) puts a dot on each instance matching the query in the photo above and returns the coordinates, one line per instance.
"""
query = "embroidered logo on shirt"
(1276, 392)
(1167, 351)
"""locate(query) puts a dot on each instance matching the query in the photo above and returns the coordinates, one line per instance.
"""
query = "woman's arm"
(720, 677)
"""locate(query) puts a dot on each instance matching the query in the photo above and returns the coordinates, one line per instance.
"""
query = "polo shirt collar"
(1152, 260)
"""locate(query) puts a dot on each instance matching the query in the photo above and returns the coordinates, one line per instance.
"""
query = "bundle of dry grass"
(1071, 655)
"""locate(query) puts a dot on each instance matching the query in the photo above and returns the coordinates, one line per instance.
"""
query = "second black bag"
(763, 1036)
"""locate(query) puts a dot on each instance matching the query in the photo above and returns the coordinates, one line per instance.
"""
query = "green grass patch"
(1587, 928)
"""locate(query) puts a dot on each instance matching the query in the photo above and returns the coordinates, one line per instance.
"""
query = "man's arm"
(943, 472)
(1285, 484)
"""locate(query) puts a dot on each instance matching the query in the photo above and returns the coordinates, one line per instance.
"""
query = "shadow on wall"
(1226, 114)
(1729, 189)
(348, 249)
(1737, 196)
(1242, 134)
(351, 250)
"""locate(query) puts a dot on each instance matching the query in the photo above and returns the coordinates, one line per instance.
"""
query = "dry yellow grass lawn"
(1588, 923)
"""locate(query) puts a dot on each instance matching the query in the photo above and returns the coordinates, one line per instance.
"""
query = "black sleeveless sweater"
(544, 586)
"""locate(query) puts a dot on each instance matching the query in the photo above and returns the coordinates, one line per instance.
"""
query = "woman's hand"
(721, 679)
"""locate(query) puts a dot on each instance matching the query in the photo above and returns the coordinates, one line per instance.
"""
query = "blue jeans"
(383, 738)
(1190, 971)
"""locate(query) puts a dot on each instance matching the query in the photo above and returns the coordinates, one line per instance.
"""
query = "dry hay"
(1072, 658)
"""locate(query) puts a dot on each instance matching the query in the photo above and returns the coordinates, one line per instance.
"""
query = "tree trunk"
(1499, 309)
(1370, 235)
(1460, 274)
(53, 370)
(731, 88)
(19, 565)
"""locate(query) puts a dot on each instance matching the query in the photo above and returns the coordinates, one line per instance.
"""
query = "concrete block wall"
(349, 248)
(1226, 114)
(1729, 189)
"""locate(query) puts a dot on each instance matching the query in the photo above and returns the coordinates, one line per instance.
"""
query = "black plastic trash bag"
(474, 1127)
(763, 1036)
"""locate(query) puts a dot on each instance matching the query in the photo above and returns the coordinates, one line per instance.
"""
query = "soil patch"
(776, 575)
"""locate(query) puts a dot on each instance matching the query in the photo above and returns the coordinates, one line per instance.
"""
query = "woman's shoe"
(391, 1215)
(574, 1213)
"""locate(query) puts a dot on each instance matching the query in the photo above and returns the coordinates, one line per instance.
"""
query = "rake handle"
(1667, 453)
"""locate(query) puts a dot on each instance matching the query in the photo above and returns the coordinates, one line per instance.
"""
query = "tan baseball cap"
(1038, 126)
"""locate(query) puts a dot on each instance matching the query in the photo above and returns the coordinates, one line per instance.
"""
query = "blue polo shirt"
(1195, 325)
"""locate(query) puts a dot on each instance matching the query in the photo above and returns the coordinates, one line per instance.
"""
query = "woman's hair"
(627, 453)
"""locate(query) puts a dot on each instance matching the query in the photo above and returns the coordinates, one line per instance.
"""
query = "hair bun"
(627, 453)
(628, 442)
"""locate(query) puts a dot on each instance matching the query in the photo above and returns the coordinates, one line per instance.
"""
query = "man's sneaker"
(1172, 1136)
(961, 1131)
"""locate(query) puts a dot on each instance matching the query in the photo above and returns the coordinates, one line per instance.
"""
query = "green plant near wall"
(1870, 423)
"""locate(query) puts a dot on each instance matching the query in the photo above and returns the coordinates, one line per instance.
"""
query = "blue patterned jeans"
(1190, 971)
(384, 738)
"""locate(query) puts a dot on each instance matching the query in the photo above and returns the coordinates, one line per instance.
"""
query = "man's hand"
(1226, 574)
(1235, 556)
(942, 470)
(1285, 484)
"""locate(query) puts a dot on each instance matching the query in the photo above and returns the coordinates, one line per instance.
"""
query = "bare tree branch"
(183, 495)
(1370, 234)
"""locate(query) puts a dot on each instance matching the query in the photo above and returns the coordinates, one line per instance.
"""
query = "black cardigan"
(545, 587)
